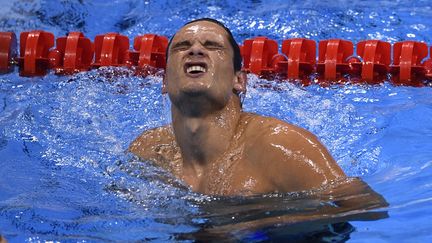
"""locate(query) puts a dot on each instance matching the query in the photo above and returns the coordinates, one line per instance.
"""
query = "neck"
(203, 139)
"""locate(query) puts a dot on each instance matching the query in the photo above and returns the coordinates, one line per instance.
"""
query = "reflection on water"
(319, 215)
(305, 216)
(339, 232)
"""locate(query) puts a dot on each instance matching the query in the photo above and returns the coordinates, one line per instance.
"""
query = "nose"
(196, 50)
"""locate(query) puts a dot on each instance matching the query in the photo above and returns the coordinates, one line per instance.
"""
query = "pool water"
(65, 175)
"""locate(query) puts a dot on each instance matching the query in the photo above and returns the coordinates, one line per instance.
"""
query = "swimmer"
(2, 240)
(214, 146)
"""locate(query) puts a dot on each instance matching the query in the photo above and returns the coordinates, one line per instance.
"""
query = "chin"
(195, 89)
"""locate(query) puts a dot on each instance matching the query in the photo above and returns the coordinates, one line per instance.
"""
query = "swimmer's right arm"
(142, 146)
(146, 145)
(138, 146)
(2, 240)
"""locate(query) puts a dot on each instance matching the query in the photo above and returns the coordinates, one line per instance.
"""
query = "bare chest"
(232, 174)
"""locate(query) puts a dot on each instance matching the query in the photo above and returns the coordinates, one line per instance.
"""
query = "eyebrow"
(187, 43)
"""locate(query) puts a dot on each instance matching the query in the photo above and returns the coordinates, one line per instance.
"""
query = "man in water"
(212, 145)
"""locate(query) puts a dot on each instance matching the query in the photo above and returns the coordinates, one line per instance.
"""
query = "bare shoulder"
(291, 156)
(272, 129)
(157, 145)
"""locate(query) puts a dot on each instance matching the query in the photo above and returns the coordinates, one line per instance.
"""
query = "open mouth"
(195, 68)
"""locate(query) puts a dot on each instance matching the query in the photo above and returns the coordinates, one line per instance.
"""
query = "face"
(200, 64)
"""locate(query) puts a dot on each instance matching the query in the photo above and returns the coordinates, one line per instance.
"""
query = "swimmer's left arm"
(301, 162)
(294, 159)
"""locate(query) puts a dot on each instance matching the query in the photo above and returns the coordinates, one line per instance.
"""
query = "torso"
(231, 174)
(237, 171)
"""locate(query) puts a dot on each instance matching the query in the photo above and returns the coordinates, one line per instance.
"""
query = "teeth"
(195, 68)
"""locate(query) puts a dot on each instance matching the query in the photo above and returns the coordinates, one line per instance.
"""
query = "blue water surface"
(64, 172)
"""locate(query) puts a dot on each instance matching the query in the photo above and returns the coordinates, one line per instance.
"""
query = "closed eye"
(182, 45)
(213, 45)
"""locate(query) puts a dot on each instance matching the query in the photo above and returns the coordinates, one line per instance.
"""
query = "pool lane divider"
(297, 60)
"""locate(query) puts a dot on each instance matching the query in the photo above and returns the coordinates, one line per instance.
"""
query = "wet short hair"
(237, 58)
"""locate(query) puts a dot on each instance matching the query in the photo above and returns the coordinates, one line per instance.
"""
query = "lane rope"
(375, 61)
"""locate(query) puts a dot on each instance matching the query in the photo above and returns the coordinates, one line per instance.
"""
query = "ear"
(240, 81)
(164, 84)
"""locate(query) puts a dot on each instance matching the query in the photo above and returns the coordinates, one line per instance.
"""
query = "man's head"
(237, 58)
(203, 65)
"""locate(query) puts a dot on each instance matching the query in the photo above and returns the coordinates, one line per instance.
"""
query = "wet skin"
(2, 240)
(215, 147)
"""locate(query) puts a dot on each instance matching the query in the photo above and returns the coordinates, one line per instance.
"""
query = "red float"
(332, 60)
(407, 68)
(8, 44)
(300, 59)
(34, 48)
(375, 62)
(111, 49)
(73, 53)
(149, 51)
(428, 66)
(258, 54)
